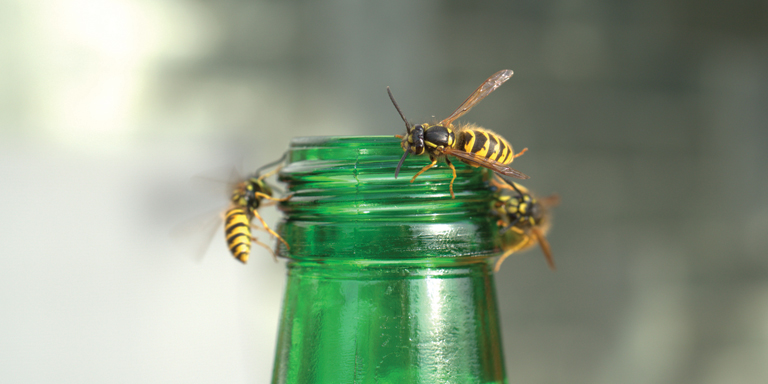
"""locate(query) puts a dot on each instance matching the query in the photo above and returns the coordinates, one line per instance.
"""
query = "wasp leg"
(273, 201)
(520, 153)
(270, 173)
(268, 197)
(267, 204)
(511, 250)
(268, 229)
(501, 259)
(255, 240)
(432, 164)
(454, 176)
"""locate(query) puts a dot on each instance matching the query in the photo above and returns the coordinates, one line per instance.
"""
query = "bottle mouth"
(347, 203)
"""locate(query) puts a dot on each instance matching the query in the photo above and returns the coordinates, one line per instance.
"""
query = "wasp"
(246, 199)
(525, 219)
(471, 144)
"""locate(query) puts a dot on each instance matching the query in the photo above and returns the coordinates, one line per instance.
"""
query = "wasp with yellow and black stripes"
(471, 144)
(525, 219)
(246, 199)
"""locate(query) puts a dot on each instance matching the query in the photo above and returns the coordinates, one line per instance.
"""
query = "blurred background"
(649, 118)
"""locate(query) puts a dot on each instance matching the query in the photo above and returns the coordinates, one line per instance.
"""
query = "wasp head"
(525, 210)
(254, 186)
(413, 140)
(245, 194)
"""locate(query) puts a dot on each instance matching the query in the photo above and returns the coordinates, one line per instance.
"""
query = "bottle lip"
(303, 140)
(347, 203)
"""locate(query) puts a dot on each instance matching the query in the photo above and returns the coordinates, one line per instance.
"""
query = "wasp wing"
(193, 236)
(550, 201)
(485, 89)
(493, 165)
(544, 244)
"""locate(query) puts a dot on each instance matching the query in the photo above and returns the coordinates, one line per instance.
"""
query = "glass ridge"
(344, 189)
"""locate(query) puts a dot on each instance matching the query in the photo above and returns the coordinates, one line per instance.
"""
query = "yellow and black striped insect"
(246, 199)
(474, 145)
(525, 219)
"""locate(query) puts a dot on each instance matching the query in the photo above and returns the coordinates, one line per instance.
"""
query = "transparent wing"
(544, 244)
(212, 182)
(493, 165)
(480, 93)
(550, 201)
(194, 236)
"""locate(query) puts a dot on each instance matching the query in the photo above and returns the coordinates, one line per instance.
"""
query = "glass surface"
(388, 281)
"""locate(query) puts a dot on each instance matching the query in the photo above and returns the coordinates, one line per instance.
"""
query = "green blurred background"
(649, 118)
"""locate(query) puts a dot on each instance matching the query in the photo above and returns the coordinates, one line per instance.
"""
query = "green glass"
(388, 281)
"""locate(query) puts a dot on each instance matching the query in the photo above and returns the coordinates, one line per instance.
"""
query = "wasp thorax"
(255, 189)
(439, 136)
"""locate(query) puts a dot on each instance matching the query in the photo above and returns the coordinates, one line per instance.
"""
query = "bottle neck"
(389, 323)
(347, 205)
(389, 281)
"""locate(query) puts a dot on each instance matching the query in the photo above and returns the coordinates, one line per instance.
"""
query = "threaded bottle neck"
(347, 204)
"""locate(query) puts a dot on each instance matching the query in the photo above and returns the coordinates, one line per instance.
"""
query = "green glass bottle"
(388, 281)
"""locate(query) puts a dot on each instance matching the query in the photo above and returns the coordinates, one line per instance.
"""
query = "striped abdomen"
(237, 229)
(486, 144)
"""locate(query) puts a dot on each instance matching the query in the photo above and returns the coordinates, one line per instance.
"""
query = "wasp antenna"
(407, 124)
(270, 165)
(516, 189)
(402, 159)
(511, 184)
